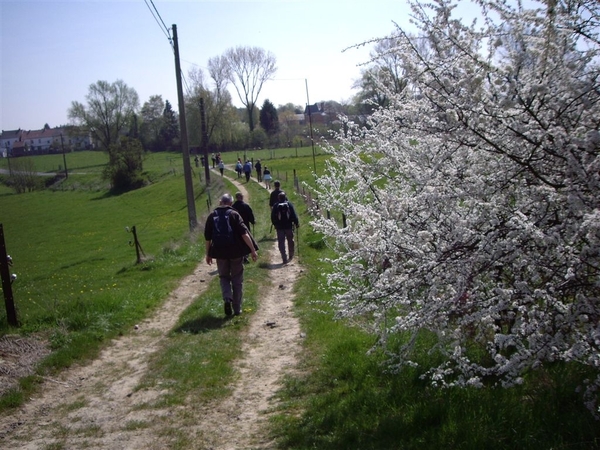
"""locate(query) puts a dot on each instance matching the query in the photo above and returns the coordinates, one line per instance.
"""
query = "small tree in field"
(473, 197)
(23, 177)
(124, 169)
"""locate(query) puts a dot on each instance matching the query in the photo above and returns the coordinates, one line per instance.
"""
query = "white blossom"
(473, 198)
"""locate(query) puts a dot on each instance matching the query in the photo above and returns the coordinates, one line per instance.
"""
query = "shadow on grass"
(202, 325)
(83, 261)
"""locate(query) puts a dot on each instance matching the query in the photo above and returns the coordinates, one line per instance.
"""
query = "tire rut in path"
(105, 387)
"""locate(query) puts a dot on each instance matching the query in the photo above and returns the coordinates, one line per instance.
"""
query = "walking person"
(283, 218)
(239, 167)
(274, 197)
(248, 170)
(258, 167)
(267, 177)
(228, 240)
(221, 167)
(245, 211)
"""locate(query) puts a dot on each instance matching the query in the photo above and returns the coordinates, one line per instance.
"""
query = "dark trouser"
(247, 176)
(282, 237)
(231, 277)
(258, 175)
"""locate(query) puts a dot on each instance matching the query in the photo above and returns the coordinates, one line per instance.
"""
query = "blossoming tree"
(473, 199)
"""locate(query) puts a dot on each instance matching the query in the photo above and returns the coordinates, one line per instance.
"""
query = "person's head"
(239, 196)
(277, 184)
(281, 197)
(226, 199)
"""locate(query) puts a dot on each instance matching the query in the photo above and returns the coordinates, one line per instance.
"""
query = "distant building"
(316, 114)
(19, 142)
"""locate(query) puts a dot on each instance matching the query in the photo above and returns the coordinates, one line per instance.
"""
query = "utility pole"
(64, 157)
(187, 166)
(204, 141)
(312, 141)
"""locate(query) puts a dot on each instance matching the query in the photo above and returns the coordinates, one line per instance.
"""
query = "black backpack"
(283, 212)
(222, 231)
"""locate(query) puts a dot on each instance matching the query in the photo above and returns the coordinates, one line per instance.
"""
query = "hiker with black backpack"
(283, 218)
(228, 240)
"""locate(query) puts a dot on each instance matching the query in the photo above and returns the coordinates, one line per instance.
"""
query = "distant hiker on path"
(267, 177)
(258, 167)
(221, 167)
(248, 170)
(283, 218)
(274, 197)
(228, 240)
(239, 167)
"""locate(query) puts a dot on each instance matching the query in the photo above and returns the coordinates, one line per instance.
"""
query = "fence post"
(11, 313)
(138, 247)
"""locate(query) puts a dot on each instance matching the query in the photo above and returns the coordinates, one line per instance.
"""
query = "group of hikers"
(262, 175)
(229, 240)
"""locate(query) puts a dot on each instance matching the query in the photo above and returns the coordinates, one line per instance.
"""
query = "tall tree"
(248, 69)
(170, 129)
(473, 199)
(109, 111)
(269, 120)
(218, 108)
(152, 122)
(385, 75)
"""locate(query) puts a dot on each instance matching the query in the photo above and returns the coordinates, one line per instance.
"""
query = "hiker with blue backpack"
(228, 240)
(283, 218)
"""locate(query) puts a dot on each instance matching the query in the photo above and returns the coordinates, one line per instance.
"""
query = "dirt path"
(88, 407)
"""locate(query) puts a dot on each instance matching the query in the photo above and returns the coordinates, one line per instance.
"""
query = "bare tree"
(248, 69)
(218, 69)
(218, 108)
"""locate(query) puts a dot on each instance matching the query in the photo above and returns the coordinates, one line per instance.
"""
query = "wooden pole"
(187, 167)
(11, 312)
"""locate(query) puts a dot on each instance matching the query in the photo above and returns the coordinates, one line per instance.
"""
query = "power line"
(159, 21)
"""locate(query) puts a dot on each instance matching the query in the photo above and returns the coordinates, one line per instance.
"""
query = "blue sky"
(51, 51)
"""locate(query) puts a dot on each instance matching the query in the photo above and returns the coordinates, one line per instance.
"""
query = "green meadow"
(79, 286)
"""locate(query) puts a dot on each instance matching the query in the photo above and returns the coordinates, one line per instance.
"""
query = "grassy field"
(79, 286)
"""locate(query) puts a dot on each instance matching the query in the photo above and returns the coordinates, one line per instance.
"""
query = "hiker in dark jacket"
(274, 196)
(283, 218)
(258, 167)
(228, 240)
(244, 209)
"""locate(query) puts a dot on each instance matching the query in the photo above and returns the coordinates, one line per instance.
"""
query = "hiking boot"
(228, 308)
